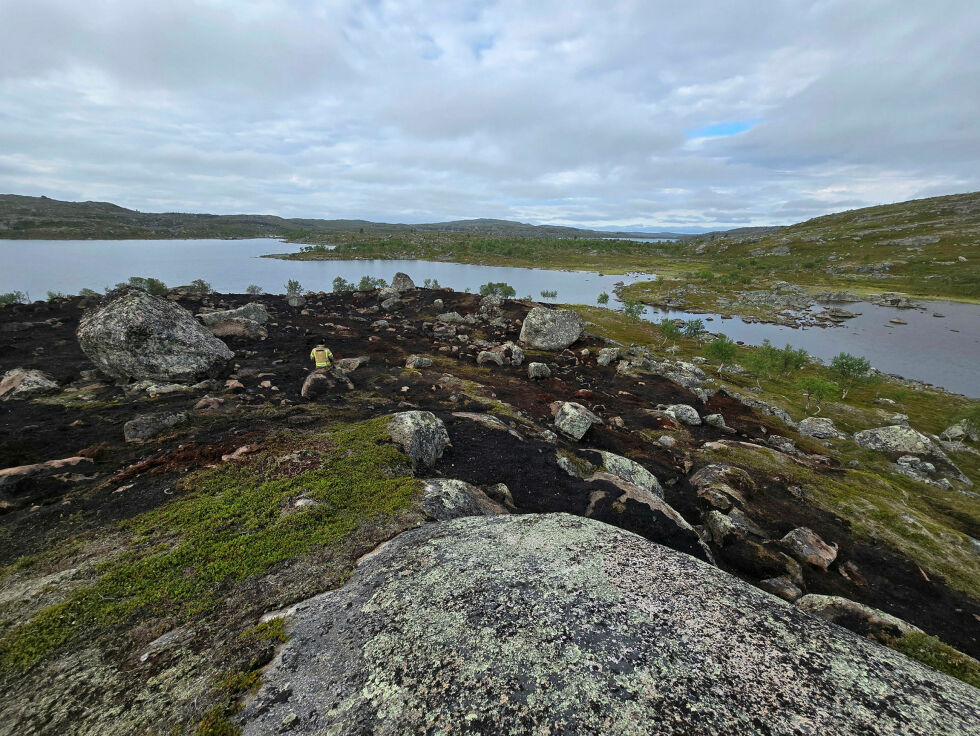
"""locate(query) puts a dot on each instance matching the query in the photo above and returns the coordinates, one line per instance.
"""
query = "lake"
(945, 352)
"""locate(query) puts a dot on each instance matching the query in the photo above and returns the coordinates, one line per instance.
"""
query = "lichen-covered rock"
(402, 282)
(807, 546)
(538, 370)
(239, 327)
(962, 430)
(489, 356)
(551, 329)
(782, 587)
(148, 426)
(21, 383)
(421, 434)
(445, 498)
(857, 617)
(323, 382)
(684, 413)
(253, 311)
(897, 439)
(511, 624)
(575, 420)
(607, 356)
(822, 428)
(392, 304)
(632, 472)
(137, 335)
(417, 361)
(715, 420)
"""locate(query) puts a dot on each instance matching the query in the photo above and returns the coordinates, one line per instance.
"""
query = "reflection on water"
(944, 351)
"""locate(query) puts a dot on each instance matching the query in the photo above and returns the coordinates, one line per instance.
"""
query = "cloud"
(616, 113)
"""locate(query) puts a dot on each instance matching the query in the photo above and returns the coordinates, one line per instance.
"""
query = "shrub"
(499, 288)
(88, 292)
(368, 283)
(850, 371)
(721, 351)
(669, 329)
(633, 310)
(431, 284)
(52, 295)
(694, 328)
(603, 298)
(147, 284)
(293, 287)
(200, 287)
(342, 284)
(548, 293)
(12, 297)
(816, 390)
(253, 289)
(792, 359)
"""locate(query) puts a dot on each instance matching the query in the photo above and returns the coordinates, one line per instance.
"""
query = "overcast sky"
(681, 115)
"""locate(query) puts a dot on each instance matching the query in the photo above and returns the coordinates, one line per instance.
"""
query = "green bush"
(88, 292)
(721, 351)
(669, 329)
(200, 287)
(850, 372)
(369, 283)
(253, 289)
(633, 311)
(603, 298)
(52, 295)
(694, 328)
(12, 297)
(499, 288)
(548, 293)
(816, 390)
(293, 287)
(431, 284)
(147, 284)
(342, 284)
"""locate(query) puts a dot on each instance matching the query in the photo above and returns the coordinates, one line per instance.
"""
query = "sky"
(619, 114)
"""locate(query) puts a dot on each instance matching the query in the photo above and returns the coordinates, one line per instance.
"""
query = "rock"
(11, 478)
(516, 354)
(387, 292)
(417, 361)
(896, 439)
(239, 327)
(438, 305)
(783, 444)
(728, 475)
(666, 440)
(493, 624)
(349, 365)
(807, 546)
(684, 414)
(607, 356)
(962, 430)
(444, 499)
(857, 617)
(26, 384)
(392, 304)
(782, 587)
(421, 435)
(402, 282)
(734, 525)
(253, 311)
(715, 420)
(632, 472)
(489, 356)
(574, 419)
(150, 425)
(551, 329)
(137, 335)
(295, 300)
(782, 250)
(822, 428)
(491, 306)
(451, 317)
(323, 381)
(538, 370)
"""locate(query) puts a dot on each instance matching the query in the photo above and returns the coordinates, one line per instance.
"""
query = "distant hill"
(44, 218)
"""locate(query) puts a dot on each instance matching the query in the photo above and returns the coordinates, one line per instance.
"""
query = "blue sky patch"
(718, 130)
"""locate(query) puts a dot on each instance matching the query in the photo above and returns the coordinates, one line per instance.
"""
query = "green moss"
(236, 521)
(216, 723)
(934, 653)
(272, 630)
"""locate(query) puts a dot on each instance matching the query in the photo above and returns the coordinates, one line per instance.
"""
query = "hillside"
(44, 218)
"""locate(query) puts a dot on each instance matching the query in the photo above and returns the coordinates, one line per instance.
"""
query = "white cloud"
(553, 111)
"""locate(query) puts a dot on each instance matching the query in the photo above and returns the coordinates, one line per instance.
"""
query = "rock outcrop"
(136, 335)
(551, 329)
(505, 624)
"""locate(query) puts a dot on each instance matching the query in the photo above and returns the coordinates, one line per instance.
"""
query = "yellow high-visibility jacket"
(322, 356)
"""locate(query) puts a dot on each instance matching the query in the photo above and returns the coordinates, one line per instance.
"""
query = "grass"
(934, 653)
(233, 523)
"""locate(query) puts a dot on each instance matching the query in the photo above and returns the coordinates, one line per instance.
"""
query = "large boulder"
(239, 327)
(147, 426)
(896, 439)
(421, 434)
(807, 546)
(684, 413)
(857, 617)
(575, 420)
(21, 383)
(402, 282)
(137, 335)
(632, 472)
(559, 624)
(551, 329)
(446, 498)
(253, 311)
(822, 428)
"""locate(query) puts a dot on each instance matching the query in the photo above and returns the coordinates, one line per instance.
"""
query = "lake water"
(945, 352)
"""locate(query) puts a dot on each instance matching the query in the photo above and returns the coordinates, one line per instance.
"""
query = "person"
(321, 356)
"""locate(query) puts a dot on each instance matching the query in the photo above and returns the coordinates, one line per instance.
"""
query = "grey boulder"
(551, 329)
(148, 426)
(253, 311)
(21, 383)
(807, 546)
(632, 472)
(822, 428)
(574, 420)
(137, 335)
(514, 624)
(402, 282)
(538, 370)
(446, 498)
(862, 619)
(684, 414)
(421, 434)
(896, 439)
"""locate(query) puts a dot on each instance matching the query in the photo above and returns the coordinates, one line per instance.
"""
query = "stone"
(806, 546)
(349, 365)
(783, 444)
(438, 305)
(538, 370)
(684, 414)
(12, 477)
(451, 317)
(666, 440)
(19, 383)
(859, 618)
(444, 499)
(632, 472)
(961, 431)
(421, 434)
(715, 420)
(148, 426)
(821, 428)
(137, 335)
(402, 282)
(500, 624)
(574, 420)
(295, 300)
(239, 327)
(607, 356)
(417, 361)
(728, 475)
(253, 311)
(489, 356)
(782, 587)
(551, 329)
(896, 439)
(391, 304)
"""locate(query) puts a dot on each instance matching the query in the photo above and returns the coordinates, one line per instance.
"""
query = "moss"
(236, 521)
(934, 653)
(216, 723)
(272, 630)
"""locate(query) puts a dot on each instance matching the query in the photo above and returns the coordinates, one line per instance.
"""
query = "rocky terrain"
(485, 518)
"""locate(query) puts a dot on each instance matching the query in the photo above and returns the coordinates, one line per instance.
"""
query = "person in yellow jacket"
(322, 356)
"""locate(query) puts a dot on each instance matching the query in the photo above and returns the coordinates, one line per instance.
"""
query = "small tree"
(694, 328)
(200, 287)
(293, 287)
(548, 293)
(431, 283)
(369, 283)
(88, 292)
(763, 361)
(148, 284)
(603, 298)
(342, 284)
(721, 351)
(816, 390)
(792, 359)
(52, 295)
(253, 289)
(669, 329)
(850, 371)
(499, 288)
(633, 310)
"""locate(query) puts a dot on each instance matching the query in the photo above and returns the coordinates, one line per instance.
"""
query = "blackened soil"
(126, 479)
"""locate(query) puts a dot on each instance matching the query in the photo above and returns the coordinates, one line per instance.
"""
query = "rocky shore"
(482, 519)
